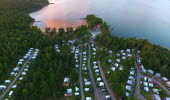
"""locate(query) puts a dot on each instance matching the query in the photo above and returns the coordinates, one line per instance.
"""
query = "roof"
(113, 68)
(66, 79)
(87, 83)
(131, 77)
(146, 89)
(86, 89)
(99, 79)
(129, 82)
(69, 91)
(128, 87)
(164, 79)
(157, 97)
(107, 96)
(127, 94)
(88, 98)
(76, 88)
(145, 83)
(167, 98)
(76, 93)
(150, 71)
(101, 84)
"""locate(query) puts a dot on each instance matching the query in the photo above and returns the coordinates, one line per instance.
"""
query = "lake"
(146, 19)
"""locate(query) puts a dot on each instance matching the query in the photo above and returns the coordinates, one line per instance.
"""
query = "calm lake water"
(148, 19)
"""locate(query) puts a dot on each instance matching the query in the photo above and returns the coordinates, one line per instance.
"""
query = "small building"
(94, 63)
(10, 93)
(101, 83)
(84, 59)
(127, 94)
(132, 72)
(20, 63)
(69, 91)
(150, 80)
(84, 53)
(85, 80)
(146, 89)
(145, 78)
(129, 55)
(121, 68)
(168, 84)
(164, 79)
(24, 73)
(87, 83)
(155, 91)
(107, 96)
(99, 79)
(128, 50)
(16, 69)
(21, 60)
(94, 53)
(14, 86)
(94, 49)
(150, 72)
(110, 52)
(25, 57)
(116, 64)
(88, 98)
(128, 87)
(167, 98)
(109, 61)
(21, 78)
(87, 89)
(95, 67)
(76, 66)
(118, 60)
(131, 78)
(151, 85)
(113, 68)
(145, 84)
(2, 87)
(92, 45)
(138, 51)
(117, 55)
(122, 51)
(33, 57)
(12, 73)
(76, 52)
(129, 82)
(7, 81)
(66, 81)
(123, 54)
(123, 58)
(76, 89)
(96, 71)
(76, 94)
(25, 69)
(156, 97)
(158, 75)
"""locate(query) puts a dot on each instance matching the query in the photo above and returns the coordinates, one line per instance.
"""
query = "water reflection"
(128, 18)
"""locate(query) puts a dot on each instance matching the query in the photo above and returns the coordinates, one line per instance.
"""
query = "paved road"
(98, 94)
(106, 83)
(15, 79)
(137, 91)
(80, 76)
(160, 84)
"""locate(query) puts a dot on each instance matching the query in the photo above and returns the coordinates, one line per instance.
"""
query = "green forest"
(16, 35)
